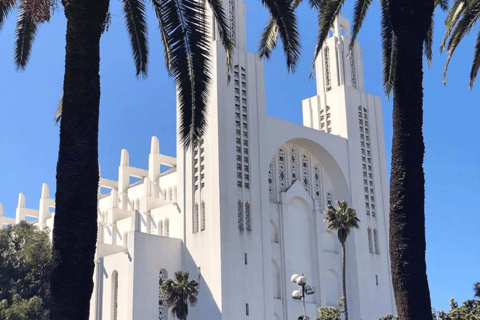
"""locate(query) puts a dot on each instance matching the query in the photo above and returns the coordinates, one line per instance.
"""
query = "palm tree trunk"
(344, 282)
(75, 224)
(410, 20)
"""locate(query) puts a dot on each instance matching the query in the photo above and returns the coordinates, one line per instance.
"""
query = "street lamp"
(302, 291)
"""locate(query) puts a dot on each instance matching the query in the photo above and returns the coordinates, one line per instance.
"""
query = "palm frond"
(268, 40)
(451, 20)
(24, 37)
(163, 35)
(463, 27)
(475, 63)
(328, 11)
(359, 14)
(284, 16)
(428, 43)
(134, 11)
(315, 4)
(224, 32)
(443, 4)
(389, 49)
(58, 113)
(182, 22)
(5, 7)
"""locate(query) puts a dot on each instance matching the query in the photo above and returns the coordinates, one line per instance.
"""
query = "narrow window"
(376, 279)
(114, 294)
(247, 311)
(246, 260)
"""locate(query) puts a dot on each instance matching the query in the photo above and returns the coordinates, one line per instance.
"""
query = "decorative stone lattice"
(367, 168)
(248, 222)
(271, 183)
(317, 180)
(160, 228)
(241, 127)
(114, 295)
(370, 245)
(353, 70)
(375, 241)
(240, 215)
(162, 310)
(203, 215)
(293, 164)
(167, 228)
(306, 173)
(195, 218)
(232, 19)
(330, 199)
(282, 169)
(328, 79)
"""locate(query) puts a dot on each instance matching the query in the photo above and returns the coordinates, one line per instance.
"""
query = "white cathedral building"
(243, 211)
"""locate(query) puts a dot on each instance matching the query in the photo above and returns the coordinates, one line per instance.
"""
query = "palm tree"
(460, 20)
(180, 293)
(407, 34)
(342, 219)
(184, 35)
(476, 289)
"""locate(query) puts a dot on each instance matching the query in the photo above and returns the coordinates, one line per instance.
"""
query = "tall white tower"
(221, 185)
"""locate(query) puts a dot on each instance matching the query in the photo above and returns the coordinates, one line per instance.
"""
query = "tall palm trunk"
(75, 225)
(410, 20)
(344, 282)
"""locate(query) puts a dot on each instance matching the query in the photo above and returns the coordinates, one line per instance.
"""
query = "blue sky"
(133, 110)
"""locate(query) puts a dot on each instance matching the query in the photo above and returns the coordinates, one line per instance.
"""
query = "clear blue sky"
(134, 110)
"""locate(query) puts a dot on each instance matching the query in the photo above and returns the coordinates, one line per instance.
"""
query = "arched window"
(274, 238)
(167, 228)
(175, 193)
(114, 292)
(170, 196)
(276, 280)
(162, 311)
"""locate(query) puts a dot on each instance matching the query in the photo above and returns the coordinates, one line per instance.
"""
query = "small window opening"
(247, 311)
(376, 279)
(246, 258)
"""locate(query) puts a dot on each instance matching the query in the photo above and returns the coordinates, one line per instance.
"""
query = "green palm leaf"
(163, 35)
(428, 43)
(464, 25)
(328, 11)
(282, 12)
(359, 14)
(134, 11)
(269, 38)
(451, 20)
(5, 7)
(389, 49)
(475, 63)
(24, 37)
(223, 31)
(188, 50)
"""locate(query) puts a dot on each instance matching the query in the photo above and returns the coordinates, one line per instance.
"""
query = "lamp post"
(303, 290)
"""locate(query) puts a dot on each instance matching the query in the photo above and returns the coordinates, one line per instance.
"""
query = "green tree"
(343, 219)
(180, 293)
(459, 22)
(476, 289)
(469, 310)
(330, 313)
(25, 267)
